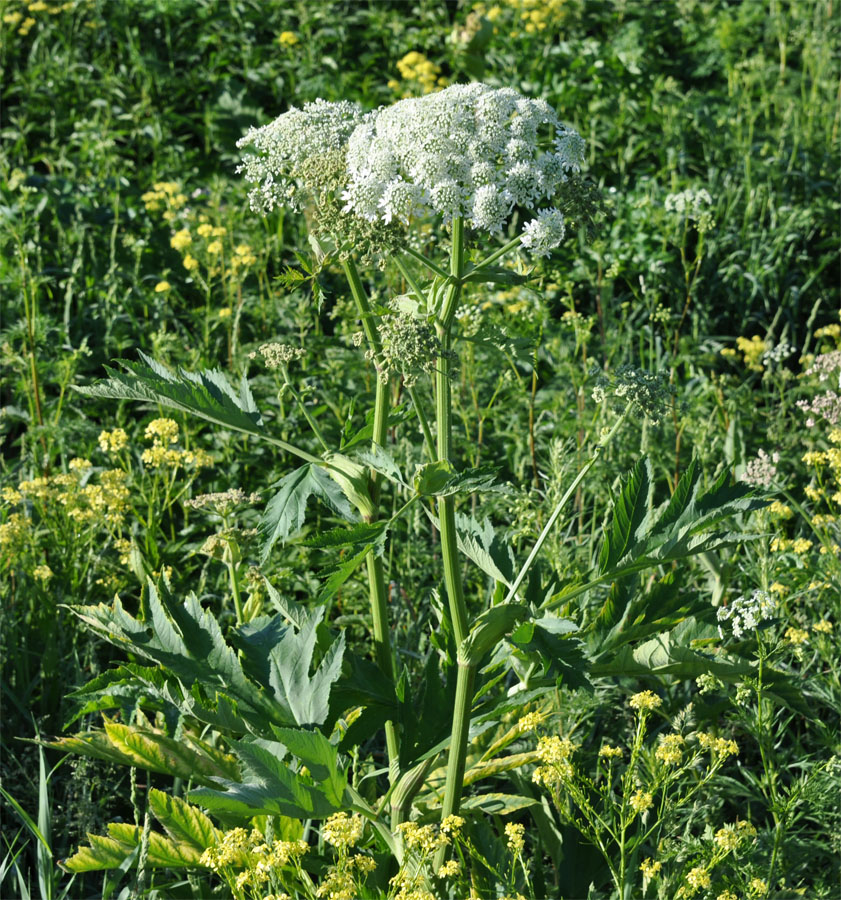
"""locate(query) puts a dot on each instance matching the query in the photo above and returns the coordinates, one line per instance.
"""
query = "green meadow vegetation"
(421, 449)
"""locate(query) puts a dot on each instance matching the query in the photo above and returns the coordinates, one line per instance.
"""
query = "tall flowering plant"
(443, 188)
(465, 158)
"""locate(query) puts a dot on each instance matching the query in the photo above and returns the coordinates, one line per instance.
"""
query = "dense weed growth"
(461, 517)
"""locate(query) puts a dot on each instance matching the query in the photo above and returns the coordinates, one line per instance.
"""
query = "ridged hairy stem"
(377, 589)
(449, 541)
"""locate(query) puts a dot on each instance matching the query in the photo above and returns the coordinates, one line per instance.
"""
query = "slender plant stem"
(559, 508)
(514, 242)
(410, 279)
(428, 262)
(424, 424)
(377, 590)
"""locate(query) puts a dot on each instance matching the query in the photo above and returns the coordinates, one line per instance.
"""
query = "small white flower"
(545, 233)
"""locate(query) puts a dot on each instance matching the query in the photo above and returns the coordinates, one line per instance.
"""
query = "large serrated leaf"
(637, 540)
(284, 515)
(319, 756)
(306, 696)
(629, 513)
(103, 853)
(204, 676)
(183, 823)
(479, 542)
(269, 787)
(206, 394)
(163, 851)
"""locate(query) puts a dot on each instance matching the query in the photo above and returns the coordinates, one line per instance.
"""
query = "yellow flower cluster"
(824, 627)
(645, 701)
(757, 887)
(25, 24)
(164, 195)
(105, 502)
(752, 351)
(415, 67)
(163, 433)
(530, 722)
(697, 879)
(608, 752)
(719, 746)
(423, 838)
(450, 869)
(248, 851)
(288, 39)
(516, 837)
(733, 835)
(641, 801)
(650, 869)
(113, 441)
(798, 545)
(42, 573)
(797, 636)
(670, 749)
(554, 752)
(533, 16)
(780, 511)
(833, 331)
(727, 895)
(342, 831)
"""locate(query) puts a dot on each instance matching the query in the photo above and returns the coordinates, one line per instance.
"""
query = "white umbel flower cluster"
(472, 151)
(293, 139)
(745, 613)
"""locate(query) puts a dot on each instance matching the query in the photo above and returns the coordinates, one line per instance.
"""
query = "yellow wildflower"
(42, 573)
(608, 752)
(670, 750)
(205, 230)
(529, 722)
(288, 39)
(113, 441)
(650, 868)
(780, 510)
(824, 626)
(758, 887)
(645, 701)
(214, 248)
(719, 746)
(162, 287)
(449, 869)
(797, 636)
(515, 834)
(190, 263)
(181, 239)
(801, 545)
(162, 430)
(641, 801)
(698, 878)
(225, 312)
(342, 830)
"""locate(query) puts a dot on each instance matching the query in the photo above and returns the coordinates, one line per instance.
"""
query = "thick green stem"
(377, 589)
(449, 540)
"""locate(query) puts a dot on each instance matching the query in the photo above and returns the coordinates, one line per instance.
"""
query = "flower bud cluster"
(650, 391)
(409, 346)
